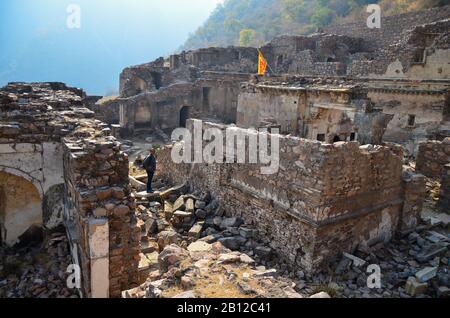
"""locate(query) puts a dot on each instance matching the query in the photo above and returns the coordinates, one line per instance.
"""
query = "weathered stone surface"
(171, 256)
(426, 274)
(199, 246)
(414, 287)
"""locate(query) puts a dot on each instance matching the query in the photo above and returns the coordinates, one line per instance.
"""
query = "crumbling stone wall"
(324, 200)
(417, 113)
(315, 55)
(444, 195)
(102, 213)
(53, 151)
(433, 155)
(315, 109)
(392, 28)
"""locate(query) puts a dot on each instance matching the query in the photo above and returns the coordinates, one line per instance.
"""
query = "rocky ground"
(192, 247)
(36, 271)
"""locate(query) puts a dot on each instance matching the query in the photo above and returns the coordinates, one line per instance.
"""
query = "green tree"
(247, 37)
(322, 17)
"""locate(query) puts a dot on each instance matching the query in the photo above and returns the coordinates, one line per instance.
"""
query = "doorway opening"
(206, 91)
(157, 80)
(184, 115)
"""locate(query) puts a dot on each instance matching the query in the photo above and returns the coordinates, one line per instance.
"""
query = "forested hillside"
(253, 22)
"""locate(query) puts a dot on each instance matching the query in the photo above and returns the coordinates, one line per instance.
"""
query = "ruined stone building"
(371, 86)
(60, 166)
(350, 104)
(403, 69)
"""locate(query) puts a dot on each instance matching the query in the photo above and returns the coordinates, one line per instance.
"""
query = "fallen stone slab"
(426, 274)
(429, 254)
(179, 204)
(149, 196)
(357, 262)
(229, 258)
(196, 230)
(136, 184)
(265, 273)
(177, 190)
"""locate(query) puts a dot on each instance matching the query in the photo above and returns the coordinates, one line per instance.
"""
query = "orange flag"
(262, 63)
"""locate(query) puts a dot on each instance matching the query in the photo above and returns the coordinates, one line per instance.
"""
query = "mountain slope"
(254, 22)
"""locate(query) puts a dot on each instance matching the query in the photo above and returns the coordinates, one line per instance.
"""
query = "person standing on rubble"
(150, 166)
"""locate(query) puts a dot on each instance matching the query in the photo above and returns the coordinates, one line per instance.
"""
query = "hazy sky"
(37, 45)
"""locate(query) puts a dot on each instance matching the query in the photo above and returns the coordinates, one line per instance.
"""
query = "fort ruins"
(364, 137)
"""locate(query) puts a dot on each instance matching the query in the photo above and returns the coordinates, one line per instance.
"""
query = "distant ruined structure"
(351, 103)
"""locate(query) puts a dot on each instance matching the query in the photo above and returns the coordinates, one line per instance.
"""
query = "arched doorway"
(184, 115)
(20, 207)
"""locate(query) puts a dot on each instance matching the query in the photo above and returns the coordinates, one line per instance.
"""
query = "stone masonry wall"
(392, 27)
(433, 155)
(101, 214)
(444, 196)
(325, 199)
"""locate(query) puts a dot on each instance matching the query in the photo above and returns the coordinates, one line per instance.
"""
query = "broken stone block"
(246, 232)
(443, 292)
(199, 246)
(149, 247)
(229, 258)
(166, 238)
(139, 186)
(426, 274)
(357, 262)
(230, 242)
(263, 251)
(189, 205)
(179, 204)
(414, 287)
(246, 259)
(211, 238)
(444, 218)
(321, 295)
(217, 221)
(430, 253)
(200, 204)
(172, 255)
(168, 210)
(265, 273)
(196, 230)
(201, 214)
(187, 282)
(230, 222)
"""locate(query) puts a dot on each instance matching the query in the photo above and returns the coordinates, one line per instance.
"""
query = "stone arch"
(26, 176)
(21, 207)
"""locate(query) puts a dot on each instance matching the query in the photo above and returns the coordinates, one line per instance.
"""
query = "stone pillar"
(99, 257)
(444, 196)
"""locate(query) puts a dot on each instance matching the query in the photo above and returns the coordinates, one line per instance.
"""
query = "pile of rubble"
(414, 266)
(36, 271)
(192, 247)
